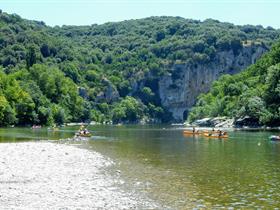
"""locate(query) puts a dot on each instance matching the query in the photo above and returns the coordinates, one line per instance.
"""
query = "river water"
(151, 167)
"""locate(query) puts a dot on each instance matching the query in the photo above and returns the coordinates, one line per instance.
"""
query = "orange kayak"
(215, 136)
(209, 131)
(189, 132)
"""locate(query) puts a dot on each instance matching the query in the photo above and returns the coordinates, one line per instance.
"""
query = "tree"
(272, 91)
(59, 114)
(146, 95)
(25, 109)
(45, 50)
(7, 114)
(31, 56)
(129, 109)
(160, 35)
(118, 114)
(71, 71)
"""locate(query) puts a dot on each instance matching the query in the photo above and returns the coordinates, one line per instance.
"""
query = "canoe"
(215, 136)
(36, 127)
(83, 135)
(274, 138)
(189, 132)
(210, 131)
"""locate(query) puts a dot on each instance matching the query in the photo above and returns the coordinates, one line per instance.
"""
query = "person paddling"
(82, 129)
(193, 129)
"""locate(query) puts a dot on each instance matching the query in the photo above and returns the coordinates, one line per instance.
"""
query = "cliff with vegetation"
(149, 69)
(179, 89)
(251, 97)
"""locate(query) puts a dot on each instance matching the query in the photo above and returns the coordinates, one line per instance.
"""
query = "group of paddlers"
(213, 132)
(207, 133)
(83, 130)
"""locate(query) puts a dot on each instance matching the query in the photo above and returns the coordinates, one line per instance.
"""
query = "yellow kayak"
(208, 135)
(190, 132)
(83, 135)
(210, 131)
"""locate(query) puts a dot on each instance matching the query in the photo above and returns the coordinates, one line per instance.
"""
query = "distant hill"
(124, 71)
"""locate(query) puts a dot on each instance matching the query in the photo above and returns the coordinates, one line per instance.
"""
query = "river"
(151, 167)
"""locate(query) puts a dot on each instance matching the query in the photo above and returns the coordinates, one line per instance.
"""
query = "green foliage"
(70, 70)
(16, 104)
(272, 91)
(129, 109)
(30, 57)
(46, 66)
(147, 95)
(7, 114)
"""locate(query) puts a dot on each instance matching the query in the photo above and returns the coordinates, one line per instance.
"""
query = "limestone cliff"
(179, 89)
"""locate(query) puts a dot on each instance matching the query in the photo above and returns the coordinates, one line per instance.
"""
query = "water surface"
(183, 171)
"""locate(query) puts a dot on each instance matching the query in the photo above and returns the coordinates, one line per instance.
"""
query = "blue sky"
(86, 12)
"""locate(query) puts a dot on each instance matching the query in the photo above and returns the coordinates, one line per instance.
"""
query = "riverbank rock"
(205, 122)
(246, 121)
(215, 122)
(224, 122)
(227, 123)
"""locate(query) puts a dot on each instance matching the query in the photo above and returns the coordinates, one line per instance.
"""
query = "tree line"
(107, 72)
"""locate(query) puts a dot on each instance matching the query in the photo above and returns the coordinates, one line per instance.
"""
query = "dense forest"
(110, 72)
(254, 93)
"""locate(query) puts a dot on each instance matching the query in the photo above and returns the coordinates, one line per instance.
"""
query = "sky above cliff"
(87, 12)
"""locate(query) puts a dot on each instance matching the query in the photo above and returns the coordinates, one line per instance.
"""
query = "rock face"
(110, 94)
(246, 121)
(179, 90)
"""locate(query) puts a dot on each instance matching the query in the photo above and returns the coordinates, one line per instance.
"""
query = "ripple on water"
(42, 175)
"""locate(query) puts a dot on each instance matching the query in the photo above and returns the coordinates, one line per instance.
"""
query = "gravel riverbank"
(44, 175)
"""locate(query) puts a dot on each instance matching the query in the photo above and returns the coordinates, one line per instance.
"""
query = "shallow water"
(182, 172)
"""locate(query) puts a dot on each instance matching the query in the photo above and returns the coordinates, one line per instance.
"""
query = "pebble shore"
(44, 175)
